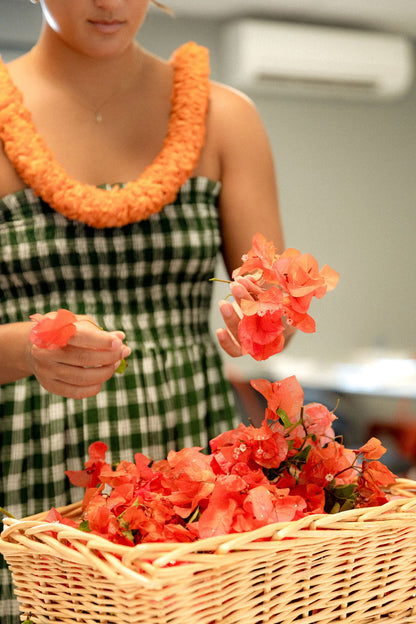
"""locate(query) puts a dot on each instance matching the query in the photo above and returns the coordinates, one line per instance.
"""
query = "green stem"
(6, 513)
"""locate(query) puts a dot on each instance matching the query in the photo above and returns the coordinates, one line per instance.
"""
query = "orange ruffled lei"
(159, 183)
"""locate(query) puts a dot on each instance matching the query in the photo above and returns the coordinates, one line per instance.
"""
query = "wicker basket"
(358, 565)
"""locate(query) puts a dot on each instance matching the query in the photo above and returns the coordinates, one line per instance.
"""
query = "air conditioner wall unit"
(270, 57)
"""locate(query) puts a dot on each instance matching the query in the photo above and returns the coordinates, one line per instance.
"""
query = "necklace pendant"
(98, 117)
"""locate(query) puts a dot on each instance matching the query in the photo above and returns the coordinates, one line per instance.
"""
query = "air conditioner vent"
(297, 82)
(280, 58)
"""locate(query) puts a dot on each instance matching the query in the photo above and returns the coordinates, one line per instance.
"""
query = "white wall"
(348, 195)
(347, 181)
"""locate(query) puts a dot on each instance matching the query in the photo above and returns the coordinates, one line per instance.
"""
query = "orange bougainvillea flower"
(261, 336)
(53, 333)
(318, 422)
(377, 473)
(188, 476)
(89, 477)
(261, 329)
(286, 284)
(226, 498)
(270, 300)
(54, 515)
(258, 261)
(286, 395)
(233, 508)
(373, 449)
(374, 475)
(300, 277)
(259, 446)
(326, 464)
(269, 505)
(300, 320)
(313, 495)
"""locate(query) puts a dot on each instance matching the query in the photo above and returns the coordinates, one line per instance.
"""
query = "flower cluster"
(284, 288)
(289, 467)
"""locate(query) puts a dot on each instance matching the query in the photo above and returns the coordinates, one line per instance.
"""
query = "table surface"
(375, 373)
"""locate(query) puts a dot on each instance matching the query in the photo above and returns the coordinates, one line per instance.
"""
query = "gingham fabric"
(149, 279)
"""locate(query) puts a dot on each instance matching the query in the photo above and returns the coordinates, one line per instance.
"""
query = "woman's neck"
(90, 78)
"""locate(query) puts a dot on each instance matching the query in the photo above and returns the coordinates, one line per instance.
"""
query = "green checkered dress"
(150, 279)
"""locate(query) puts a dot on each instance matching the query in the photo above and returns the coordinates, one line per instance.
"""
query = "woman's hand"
(79, 369)
(242, 288)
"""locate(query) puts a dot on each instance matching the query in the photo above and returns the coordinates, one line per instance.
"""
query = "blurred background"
(335, 84)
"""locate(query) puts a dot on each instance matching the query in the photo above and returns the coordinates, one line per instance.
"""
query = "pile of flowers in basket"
(291, 466)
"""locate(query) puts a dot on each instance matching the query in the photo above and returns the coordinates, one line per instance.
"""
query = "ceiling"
(391, 15)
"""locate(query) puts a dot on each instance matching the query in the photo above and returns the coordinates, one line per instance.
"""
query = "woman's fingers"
(72, 381)
(89, 335)
(228, 343)
(228, 336)
(242, 288)
(82, 357)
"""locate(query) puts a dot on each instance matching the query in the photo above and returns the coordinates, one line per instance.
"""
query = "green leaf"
(302, 456)
(344, 491)
(284, 419)
(125, 527)
(340, 497)
(123, 365)
(129, 534)
(336, 508)
(195, 515)
(84, 526)
(349, 504)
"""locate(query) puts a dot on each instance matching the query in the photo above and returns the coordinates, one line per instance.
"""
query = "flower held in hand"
(53, 333)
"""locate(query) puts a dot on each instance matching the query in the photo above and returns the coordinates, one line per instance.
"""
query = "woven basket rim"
(141, 562)
(355, 565)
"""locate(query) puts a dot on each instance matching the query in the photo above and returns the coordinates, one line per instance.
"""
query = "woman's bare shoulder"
(226, 98)
(234, 112)
(10, 182)
(236, 120)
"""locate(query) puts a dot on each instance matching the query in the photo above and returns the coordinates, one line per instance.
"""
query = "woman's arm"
(14, 351)
(249, 197)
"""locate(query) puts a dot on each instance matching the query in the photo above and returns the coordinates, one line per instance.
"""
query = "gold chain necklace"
(159, 183)
(98, 111)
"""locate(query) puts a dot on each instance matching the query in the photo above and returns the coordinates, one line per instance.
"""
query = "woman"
(133, 259)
